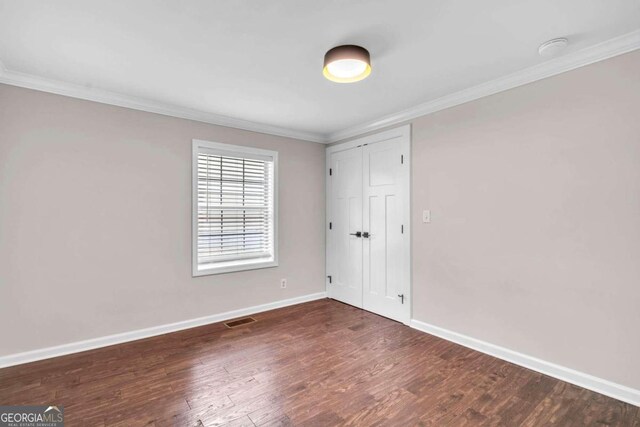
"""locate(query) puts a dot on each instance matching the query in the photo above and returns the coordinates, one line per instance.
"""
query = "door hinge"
(329, 277)
(402, 229)
(330, 226)
(330, 171)
(402, 159)
(401, 296)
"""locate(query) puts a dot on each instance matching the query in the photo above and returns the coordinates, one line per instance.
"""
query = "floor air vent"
(239, 322)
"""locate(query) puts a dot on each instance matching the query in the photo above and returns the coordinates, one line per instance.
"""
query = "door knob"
(366, 234)
(357, 234)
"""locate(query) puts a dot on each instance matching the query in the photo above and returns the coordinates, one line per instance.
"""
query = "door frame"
(399, 132)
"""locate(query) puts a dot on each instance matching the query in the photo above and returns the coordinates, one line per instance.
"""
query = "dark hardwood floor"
(316, 364)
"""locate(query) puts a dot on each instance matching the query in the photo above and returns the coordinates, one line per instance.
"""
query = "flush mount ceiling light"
(347, 64)
(552, 47)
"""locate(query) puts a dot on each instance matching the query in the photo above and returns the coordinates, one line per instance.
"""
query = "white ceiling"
(261, 61)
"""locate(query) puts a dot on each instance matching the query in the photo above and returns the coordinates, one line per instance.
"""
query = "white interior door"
(344, 257)
(368, 241)
(386, 223)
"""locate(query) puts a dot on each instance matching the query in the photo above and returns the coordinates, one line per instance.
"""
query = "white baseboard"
(76, 347)
(599, 385)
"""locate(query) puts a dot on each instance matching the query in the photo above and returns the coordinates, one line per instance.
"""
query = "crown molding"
(30, 81)
(589, 55)
(608, 49)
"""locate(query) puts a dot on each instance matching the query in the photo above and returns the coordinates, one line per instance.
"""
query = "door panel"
(345, 256)
(385, 275)
(382, 166)
(384, 238)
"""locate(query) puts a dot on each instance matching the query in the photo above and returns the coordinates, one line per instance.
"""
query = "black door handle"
(366, 234)
(357, 234)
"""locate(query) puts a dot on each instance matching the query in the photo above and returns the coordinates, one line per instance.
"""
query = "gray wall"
(534, 243)
(95, 221)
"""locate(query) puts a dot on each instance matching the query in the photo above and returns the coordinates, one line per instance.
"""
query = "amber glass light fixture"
(347, 64)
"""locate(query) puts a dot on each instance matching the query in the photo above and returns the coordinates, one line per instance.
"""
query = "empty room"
(305, 213)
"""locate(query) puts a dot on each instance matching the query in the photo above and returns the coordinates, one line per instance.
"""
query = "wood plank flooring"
(321, 363)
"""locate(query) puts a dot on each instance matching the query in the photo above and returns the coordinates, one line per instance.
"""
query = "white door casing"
(379, 195)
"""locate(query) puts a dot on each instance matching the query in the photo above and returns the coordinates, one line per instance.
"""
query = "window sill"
(230, 267)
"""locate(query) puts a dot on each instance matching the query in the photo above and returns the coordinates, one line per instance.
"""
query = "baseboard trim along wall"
(79, 346)
(599, 385)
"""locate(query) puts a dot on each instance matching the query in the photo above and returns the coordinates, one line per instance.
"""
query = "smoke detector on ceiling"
(553, 47)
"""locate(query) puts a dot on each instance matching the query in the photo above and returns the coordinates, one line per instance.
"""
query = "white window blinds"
(235, 221)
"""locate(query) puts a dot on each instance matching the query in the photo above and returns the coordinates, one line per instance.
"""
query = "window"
(234, 208)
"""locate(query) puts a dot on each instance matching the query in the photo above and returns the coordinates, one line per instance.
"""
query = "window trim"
(238, 265)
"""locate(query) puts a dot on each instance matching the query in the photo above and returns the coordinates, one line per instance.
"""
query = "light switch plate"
(426, 216)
